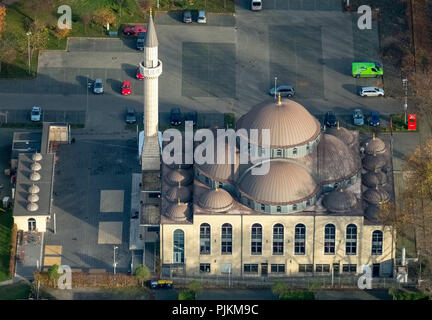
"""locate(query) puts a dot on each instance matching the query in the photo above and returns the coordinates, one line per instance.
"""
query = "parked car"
(371, 92)
(126, 88)
(285, 91)
(187, 16)
(256, 5)
(36, 113)
(202, 17)
(175, 117)
(139, 76)
(366, 70)
(358, 117)
(330, 119)
(374, 119)
(161, 284)
(98, 86)
(191, 116)
(141, 40)
(133, 30)
(130, 115)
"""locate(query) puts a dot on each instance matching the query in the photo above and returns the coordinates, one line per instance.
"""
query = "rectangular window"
(251, 268)
(322, 268)
(305, 267)
(205, 267)
(277, 268)
(226, 268)
(278, 209)
(295, 151)
(349, 268)
(263, 207)
(279, 152)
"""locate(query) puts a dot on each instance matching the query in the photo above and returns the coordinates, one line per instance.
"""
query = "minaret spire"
(151, 69)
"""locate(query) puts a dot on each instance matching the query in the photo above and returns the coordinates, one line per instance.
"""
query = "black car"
(130, 116)
(330, 119)
(141, 40)
(374, 118)
(175, 117)
(191, 116)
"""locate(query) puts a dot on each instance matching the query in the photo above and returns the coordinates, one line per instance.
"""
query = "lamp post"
(28, 50)
(115, 263)
(405, 86)
(275, 88)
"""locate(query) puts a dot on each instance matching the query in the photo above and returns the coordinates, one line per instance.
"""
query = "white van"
(256, 5)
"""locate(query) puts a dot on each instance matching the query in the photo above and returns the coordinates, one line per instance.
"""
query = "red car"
(139, 76)
(126, 88)
(133, 30)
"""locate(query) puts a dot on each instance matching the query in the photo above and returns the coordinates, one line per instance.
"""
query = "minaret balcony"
(151, 72)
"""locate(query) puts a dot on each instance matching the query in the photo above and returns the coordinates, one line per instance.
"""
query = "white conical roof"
(151, 38)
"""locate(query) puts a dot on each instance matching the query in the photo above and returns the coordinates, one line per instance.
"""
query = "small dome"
(223, 172)
(290, 124)
(374, 178)
(376, 196)
(285, 183)
(35, 166)
(180, 192)
(34, 176)
(32, 206)
(340, 201)
(174, 177)
(372, 212)
(375, 145)
(178, 212)
(33, 189)
(374, 162)
(33, 197)
(37, 157)
(217, 200)
(337, 161)
(343, 134)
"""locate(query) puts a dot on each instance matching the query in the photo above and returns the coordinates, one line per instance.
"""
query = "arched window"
(329, 239)
(377, 241)
(31, 224)
(226, 241)
(295, 151)
(256, 239)
(178, 247)
(278, 239)
(351, 239)
(205, 238)
(294, 207)
(278, 209)
(300, 239)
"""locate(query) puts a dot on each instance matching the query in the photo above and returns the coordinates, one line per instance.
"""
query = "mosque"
(314, 212)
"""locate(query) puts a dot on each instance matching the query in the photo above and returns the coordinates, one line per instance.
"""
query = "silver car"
(256, 5)
(98, 86)
(371, 92)
(202, 17)
(285, 91)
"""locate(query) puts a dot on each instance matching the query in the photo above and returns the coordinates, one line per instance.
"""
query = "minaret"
(151, 68)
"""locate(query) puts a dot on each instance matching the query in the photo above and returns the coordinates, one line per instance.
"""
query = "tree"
(279, 288)
(104, 16)
(39, 36)
(60, 33)
(53, 274)
(145, 5)
(86, 19)
(2, 19)
(186, 295)
(142, 273)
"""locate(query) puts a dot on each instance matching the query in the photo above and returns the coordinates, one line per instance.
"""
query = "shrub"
(142, 273)
(195, 286)
(297, 295)
(186, 295)
(104, 16)
(279, 287)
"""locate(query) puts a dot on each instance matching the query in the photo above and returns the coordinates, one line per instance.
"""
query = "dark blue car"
(374, 118)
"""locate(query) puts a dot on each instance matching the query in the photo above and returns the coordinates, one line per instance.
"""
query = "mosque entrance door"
(31, 224)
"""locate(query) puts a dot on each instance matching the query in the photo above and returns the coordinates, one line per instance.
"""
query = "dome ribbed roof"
(340, 201)
(32, 206)
(290, 123)
(376, 196)
(33, 189)
(372, 212)
(371, 179)
(285, 183)
(342, 133)
(375, 145)
(226, 171)
(337, 161)
(216, 200)
(174, 177)
(374, 162)
(178, 212)
(33, 197)
(34, 176)
(180, 192)
(36, 157)
(35, 166)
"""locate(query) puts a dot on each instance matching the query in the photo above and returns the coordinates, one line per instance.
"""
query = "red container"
(412, 122)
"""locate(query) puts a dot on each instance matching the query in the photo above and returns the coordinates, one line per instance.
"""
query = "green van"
(367, 70)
